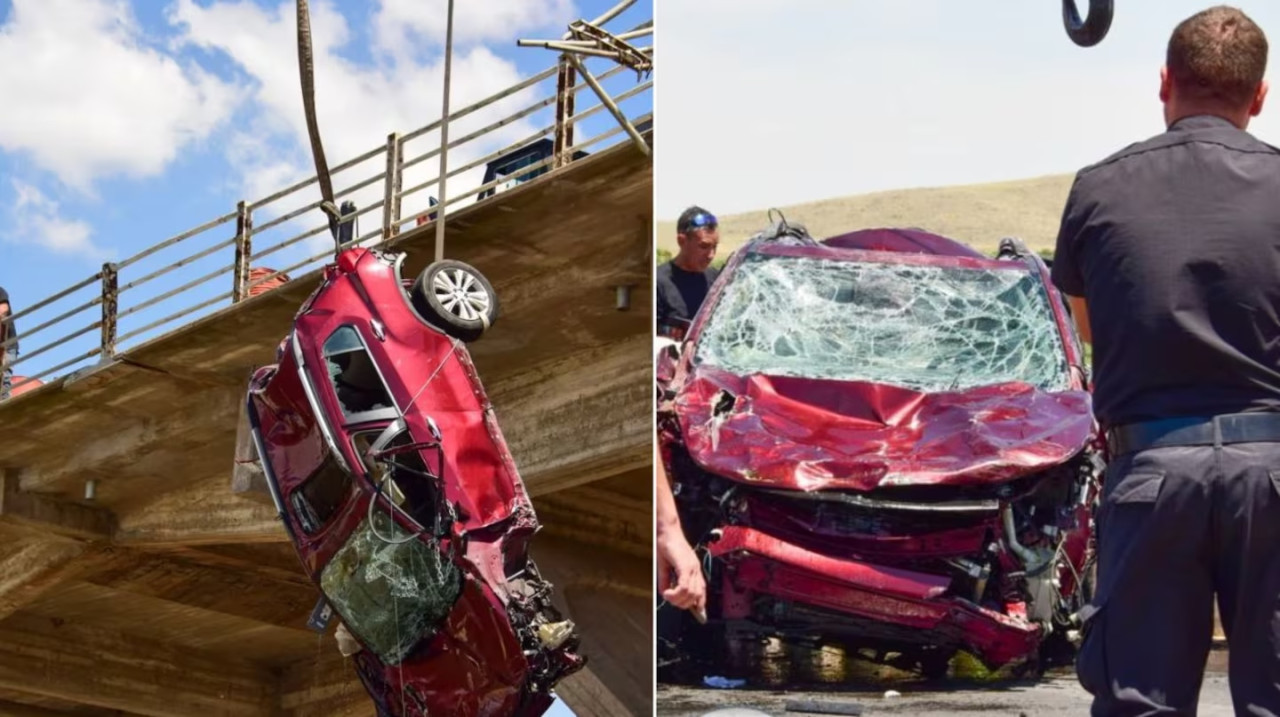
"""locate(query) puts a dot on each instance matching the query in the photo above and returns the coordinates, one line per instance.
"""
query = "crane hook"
(1093, 28)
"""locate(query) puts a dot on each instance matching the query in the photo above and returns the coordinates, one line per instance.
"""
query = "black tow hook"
(1091, 30)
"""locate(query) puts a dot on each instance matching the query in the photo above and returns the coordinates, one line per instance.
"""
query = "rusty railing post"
(110, 296)
(565, 79)
(394, 182)
(244, 250)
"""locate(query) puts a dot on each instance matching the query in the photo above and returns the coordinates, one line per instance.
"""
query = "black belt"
(1195, 431)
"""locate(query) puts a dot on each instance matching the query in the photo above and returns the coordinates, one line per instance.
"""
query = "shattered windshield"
(928, 328)
(393, 589)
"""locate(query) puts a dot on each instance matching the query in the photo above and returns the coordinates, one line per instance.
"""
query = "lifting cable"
(306, 71)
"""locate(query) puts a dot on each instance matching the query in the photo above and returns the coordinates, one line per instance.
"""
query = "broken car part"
(395, 484)
(879, 439)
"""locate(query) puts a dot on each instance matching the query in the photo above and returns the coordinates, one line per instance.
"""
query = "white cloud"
(357, 105)
(85, 97)
(38, 218)
(402, 23)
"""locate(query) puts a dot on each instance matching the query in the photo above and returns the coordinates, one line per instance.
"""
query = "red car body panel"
(811, 434)
(475, 662)
(762, 564)
(827, 505)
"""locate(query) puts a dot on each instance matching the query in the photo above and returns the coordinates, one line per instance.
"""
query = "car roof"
(911, 241)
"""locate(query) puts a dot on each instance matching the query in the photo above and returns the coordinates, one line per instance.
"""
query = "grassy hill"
(977, 214)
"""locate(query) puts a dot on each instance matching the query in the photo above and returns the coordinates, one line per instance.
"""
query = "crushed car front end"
(891, 450)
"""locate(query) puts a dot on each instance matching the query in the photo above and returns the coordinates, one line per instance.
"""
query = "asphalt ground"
(798, 675)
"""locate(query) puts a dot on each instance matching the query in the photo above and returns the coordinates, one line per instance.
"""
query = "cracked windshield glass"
(392, 588)
(927, 328)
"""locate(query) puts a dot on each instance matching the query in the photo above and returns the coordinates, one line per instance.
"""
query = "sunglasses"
(702, 221)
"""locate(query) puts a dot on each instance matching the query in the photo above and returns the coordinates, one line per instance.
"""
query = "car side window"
(318, 498)
(408, 481)
(354, 376)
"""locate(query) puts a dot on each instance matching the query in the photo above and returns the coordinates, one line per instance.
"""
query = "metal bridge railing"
(140, 298)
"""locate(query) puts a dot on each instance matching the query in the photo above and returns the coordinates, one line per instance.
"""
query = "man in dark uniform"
(682, 283)
(1169, 252)
(8, 354)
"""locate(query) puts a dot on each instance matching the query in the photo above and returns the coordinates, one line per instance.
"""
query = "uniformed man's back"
(1179, 236)
(1169, 252)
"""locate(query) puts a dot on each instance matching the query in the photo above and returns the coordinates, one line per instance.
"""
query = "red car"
(883, 440)
(393, 479)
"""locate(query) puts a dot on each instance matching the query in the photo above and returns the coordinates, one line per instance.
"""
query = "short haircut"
(1217, 55)
(687, 217)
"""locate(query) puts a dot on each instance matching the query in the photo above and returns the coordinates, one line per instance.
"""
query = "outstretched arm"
(680, 579)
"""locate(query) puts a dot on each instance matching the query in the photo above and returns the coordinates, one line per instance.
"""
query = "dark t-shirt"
(11, 330)
(1174, 242)
(680, 294)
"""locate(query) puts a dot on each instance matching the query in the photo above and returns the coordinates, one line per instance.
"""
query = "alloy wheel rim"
(461, 294)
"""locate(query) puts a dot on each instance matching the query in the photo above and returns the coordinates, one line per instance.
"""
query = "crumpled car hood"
(812, 434)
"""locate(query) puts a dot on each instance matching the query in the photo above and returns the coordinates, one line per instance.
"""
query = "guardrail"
(135, 299)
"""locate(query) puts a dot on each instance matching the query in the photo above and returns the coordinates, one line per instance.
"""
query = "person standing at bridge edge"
(1169, 252)
(682, 283)
(8, 354)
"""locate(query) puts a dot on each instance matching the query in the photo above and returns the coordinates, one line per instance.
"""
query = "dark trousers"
(6, 376)
(1177, 526)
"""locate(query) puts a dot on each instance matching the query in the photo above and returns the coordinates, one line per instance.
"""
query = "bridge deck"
(168, 561)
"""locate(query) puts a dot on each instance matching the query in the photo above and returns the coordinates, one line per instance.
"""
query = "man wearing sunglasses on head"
(682, 283)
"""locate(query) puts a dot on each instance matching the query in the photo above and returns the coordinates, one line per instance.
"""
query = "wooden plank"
(579, 418)
(105, 669)
(609, 596)
(45, 515)
(198, 513)
(17, 709)
(30, 567)
(588, 696)
(594, 514)
(324, 685)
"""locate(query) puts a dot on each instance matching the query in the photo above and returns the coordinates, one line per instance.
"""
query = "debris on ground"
(723, 683)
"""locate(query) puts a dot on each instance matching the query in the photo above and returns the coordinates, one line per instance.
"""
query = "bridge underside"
(174, 593)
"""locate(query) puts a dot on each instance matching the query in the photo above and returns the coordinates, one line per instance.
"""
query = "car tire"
(455, 297)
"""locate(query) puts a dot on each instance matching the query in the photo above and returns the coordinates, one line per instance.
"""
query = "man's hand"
(680, 579)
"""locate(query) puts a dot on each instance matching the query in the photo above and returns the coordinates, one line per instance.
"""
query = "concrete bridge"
(138, 578)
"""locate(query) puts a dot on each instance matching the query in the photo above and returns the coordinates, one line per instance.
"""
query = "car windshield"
(392, 589)
(928, 328)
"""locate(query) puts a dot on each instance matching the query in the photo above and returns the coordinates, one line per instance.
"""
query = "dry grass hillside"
(977, 214)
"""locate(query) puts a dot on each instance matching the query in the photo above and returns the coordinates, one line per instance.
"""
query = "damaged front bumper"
(870, 598)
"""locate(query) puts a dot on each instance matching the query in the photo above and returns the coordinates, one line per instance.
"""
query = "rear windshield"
(928, 328)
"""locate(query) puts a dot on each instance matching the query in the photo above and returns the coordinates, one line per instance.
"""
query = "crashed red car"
(395, 484)
(883, 440)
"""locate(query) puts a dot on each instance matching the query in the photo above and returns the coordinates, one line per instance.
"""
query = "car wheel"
(457, 298)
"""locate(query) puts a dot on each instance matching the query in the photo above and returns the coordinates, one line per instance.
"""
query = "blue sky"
(775, 102)
(130, 121)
